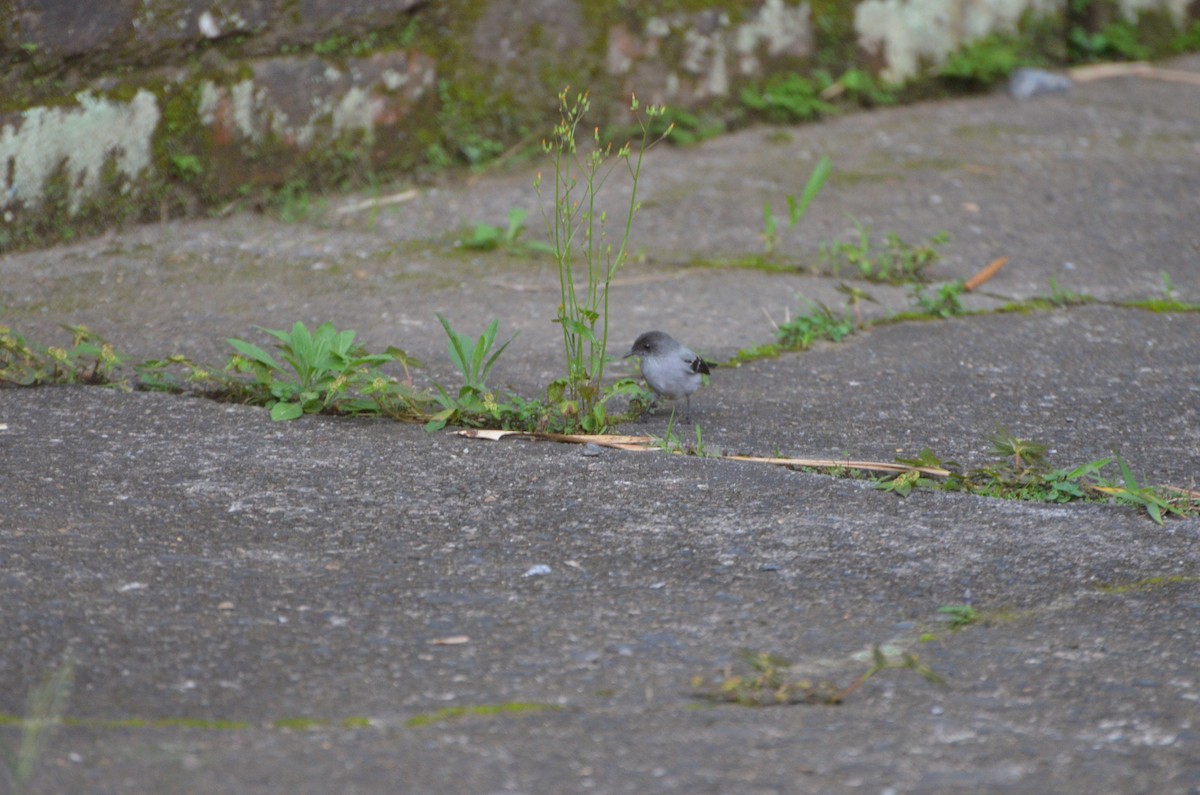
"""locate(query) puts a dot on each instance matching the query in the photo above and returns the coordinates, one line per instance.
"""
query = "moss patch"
(488, 710)
(1149, 584)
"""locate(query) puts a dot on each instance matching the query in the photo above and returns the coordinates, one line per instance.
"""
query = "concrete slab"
(255, 606)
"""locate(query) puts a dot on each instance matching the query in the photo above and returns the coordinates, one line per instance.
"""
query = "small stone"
(208, 25)
(592, 449)
(1026, 83)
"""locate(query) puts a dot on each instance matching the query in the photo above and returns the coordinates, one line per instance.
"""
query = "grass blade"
(816, 181)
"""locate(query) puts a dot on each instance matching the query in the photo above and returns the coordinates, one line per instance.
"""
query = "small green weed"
(959, 616)
(163, 375)
(796, 207)
(1058, 298)
(1021, 471)
(855, 297)
(982, 63)
(485, 237)
(671, 443)
(89, 360)
(897, 263)
(1152, 499)
(785, 98)
(437, 157)
(820, 323)
(568, 416)
(475, 405)
(1168, 303)
(903, 483)
(474, 361)
(186, 167)
(1187, 40)
(1168, 286)
(862, 87)
(292, 201)
(945, 301)
(44, 709)
(325, 371)
(1024, 454)
(1063, 298)
(1116, 41)
(765, 680)
(684, 128)
(753, 354)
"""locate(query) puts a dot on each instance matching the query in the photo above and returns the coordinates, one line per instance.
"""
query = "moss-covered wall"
(112, 110)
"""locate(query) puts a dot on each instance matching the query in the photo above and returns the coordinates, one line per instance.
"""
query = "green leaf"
(484, 237)
(541, 247)
(1127, 475)
(556, 390)
(576, 327)
(253, 352)
(481, 348)
(439, 420)
(281, 412)
(816, 181)
(1088, 469)
(487, 368)
(768, 221)
(300, 340)
(458, 356)
(516, 224)
(343, 342)
(402, 356)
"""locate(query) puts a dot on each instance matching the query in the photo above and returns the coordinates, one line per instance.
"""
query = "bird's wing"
(694, 362)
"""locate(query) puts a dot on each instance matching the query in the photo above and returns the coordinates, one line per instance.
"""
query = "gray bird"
(669, 368)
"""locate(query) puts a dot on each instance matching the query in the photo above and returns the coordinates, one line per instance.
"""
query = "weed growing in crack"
(764, 680)
(819, 323)
(897, 262)
(959, 616)
(1168, 303)
(89, 360)
(577, 228)
(1062, 298)
(474, 361)
(944, 301)
(324, 369)
(1154, 500)
(1021, 471)
(672, 443)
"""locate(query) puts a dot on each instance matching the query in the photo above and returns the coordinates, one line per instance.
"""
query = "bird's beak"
(631, 353)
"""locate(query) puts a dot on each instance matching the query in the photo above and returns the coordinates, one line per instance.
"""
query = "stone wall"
(136, 109)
